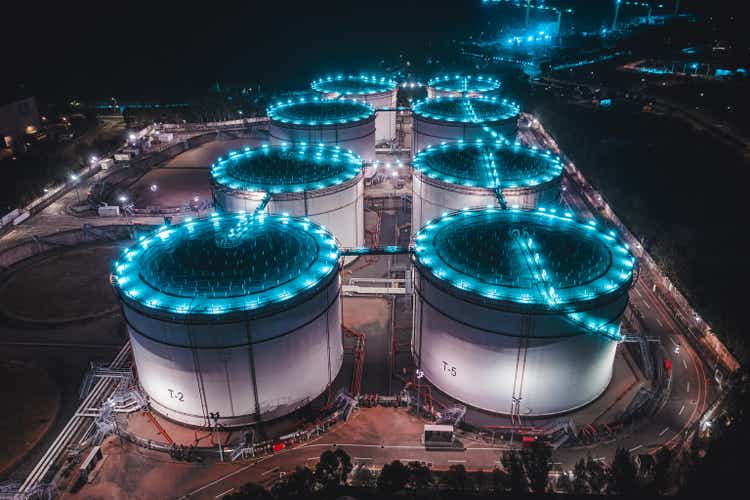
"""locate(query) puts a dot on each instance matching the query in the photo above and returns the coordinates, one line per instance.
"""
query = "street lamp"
(123, 199)
(154, 188)
(73, 179)
(420, 374)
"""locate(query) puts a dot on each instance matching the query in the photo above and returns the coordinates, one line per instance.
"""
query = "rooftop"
(225, 263)
(316, 111)
(541, 259)
(354, 84)
(488, 164)
(464, 83)
(476, 110)
(286, 169)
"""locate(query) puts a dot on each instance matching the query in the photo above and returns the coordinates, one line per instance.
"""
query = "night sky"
(139, 49)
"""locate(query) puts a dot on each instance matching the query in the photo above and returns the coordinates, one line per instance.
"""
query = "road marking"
(639, 293)
(676, 344)
(645, 302)
(681, 410)
(660, 323)
(457, 461)
(362, 458)
(269, 471)
(631, 450)
(406, 460)
(313, 458)
(224, 493)
(688, 386)
(663, 431)
(684, 363)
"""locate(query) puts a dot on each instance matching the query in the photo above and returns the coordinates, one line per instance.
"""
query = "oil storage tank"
(378, 91)
(517, 312)
(335, 122)
(448, 119)
(324, 183)
(235, 314)
(452, 176)
(460, 85)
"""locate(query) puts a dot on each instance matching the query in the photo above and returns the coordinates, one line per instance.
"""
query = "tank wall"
(359, 136)
(432, 92)
(339, 210)
(433, 133)
(479, 367)
(385, 121)
(185, 383)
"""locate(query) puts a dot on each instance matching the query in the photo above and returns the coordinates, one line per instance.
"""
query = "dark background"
(173, 50)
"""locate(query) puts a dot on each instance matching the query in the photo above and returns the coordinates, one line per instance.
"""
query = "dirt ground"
(31, 403)
(175, 187)
(69, 285)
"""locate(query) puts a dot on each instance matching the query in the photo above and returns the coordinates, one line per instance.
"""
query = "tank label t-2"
(176, 395)
(449, 369)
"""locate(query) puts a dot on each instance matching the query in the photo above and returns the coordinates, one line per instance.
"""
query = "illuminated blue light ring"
(505, 109)
(616, 279)
(464, 83)
(358, 111)
(134, 289)
(552, 171)
(343, 166)
(338, 84)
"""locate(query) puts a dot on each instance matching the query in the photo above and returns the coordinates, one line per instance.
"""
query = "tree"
(250, 491)
(537, 463)
(564, 484)
(516, 475)
(362, 476)
(333, 468)
(662, 468)
(420, 476)
(622, 476)
(595, 475)
(499, 480)
(297, 484)
(457, 479)
(393, 477)
(580, 480)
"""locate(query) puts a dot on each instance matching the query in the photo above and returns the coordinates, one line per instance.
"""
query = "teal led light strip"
(286, 169)
(225, 263)
(317, 112)
(464, 83)
(478, 164)
(610, 272)
(477, 110)
(362, 84)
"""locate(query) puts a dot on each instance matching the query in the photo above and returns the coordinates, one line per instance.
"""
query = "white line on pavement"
(362, 458)
(660, 323)
(647, 304)
(224, 493)
(313, 458)
(684, 363)
(681, 410)
(688, 387)
(639, 293)
(269, 471)
(676, 344)
(457, 461)
(631, 450)
(663, 431)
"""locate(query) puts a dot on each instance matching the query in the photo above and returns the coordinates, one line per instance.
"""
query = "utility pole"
(676, 7)
(420, 374)
(528, 7)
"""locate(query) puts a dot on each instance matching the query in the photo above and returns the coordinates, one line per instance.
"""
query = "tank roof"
(466, 109)
(540, 259)
(226, 263)
(316, 111)
(464, 83)
(286, 169)
(354, 84)
(488, 164)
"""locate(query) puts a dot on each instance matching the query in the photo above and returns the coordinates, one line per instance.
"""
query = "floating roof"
(475, 110)
(488, 164)
(464, 83)
(316, 111)
(226, 263)
(286, 169)
(541, 259)
(354, 84)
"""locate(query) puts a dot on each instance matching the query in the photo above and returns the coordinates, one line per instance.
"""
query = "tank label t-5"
(449, 369)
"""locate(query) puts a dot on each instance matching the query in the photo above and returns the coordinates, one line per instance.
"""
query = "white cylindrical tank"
(459, 85)
(378, 91)
(456, 175)
(449, 119)
(232, 314)
(324, 183)
(518, 312)
(334, 122)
